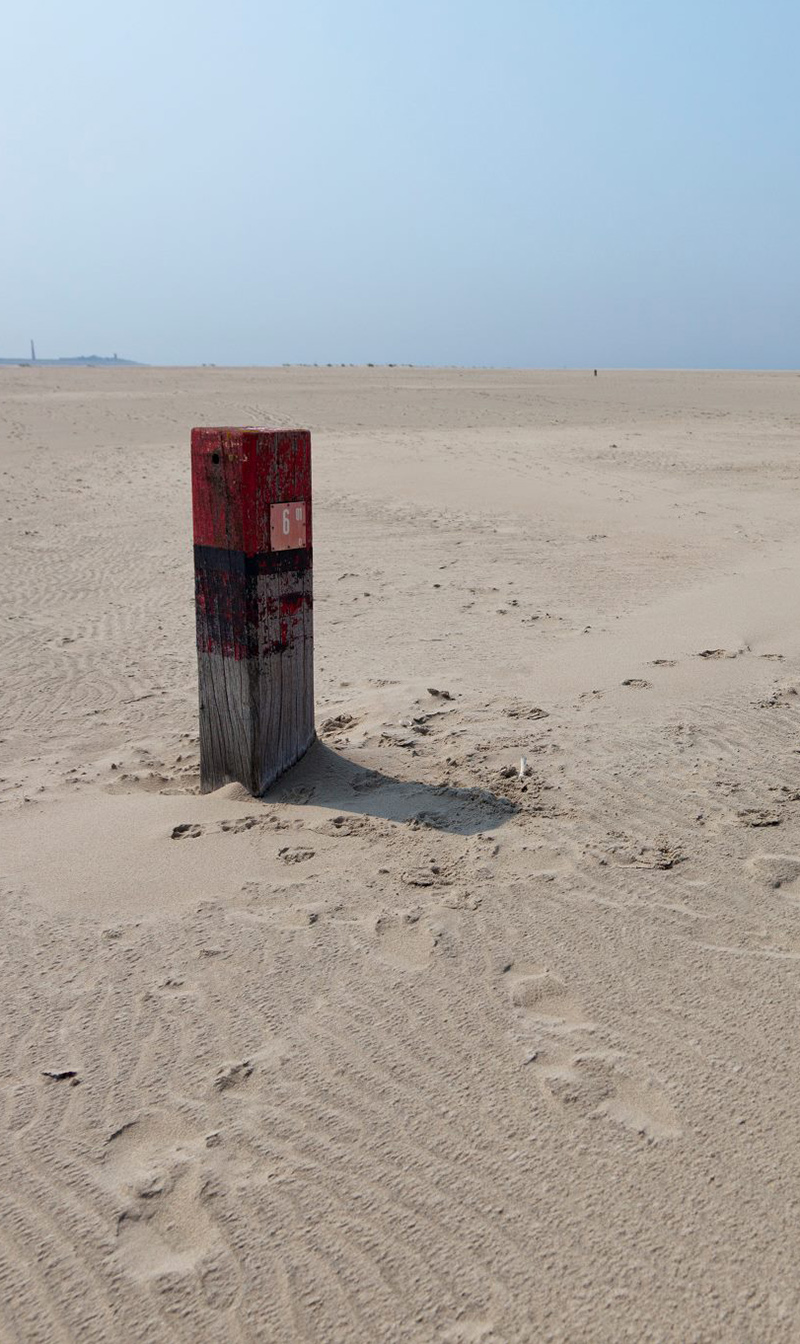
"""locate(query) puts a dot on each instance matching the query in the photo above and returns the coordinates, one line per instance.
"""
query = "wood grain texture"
(254, 605)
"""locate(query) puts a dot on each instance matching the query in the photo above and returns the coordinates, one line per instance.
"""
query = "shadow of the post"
(324, 778)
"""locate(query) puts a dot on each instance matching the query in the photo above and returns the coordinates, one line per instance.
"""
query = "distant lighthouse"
(33, 352)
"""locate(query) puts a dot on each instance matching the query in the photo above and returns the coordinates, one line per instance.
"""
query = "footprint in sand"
(237, 825)
(164, 1228)
(597, 1084)
(783, 697)
(148, 772)
(233, 826)
(340, 724)
(640, 1106)
(353, 825)
(233, 1075)
(186, 831)
(168, 987)
(542, 861)
(295, 854)
(758, 816)
(780, 872)
(537, 992)
(405, 940)
(281, 907)
(576, 1078)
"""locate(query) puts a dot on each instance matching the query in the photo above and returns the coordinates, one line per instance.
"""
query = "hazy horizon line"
(78, 361)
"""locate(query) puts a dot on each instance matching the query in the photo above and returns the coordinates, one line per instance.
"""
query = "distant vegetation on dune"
(73, 359)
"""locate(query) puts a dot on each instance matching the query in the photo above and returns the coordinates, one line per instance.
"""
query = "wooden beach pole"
(251, 501)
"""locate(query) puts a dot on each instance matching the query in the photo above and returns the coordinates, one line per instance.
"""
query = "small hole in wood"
(215, 457)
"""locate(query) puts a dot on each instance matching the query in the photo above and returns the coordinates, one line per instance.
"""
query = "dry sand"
(406, 1051)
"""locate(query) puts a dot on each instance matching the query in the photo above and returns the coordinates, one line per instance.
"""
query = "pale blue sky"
(523, 182)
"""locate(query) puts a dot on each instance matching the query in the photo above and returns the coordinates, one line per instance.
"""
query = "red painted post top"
(239, 476)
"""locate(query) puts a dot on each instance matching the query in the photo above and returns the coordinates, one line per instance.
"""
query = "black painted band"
(264, 562)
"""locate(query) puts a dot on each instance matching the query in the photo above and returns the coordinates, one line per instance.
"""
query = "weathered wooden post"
(251, 498)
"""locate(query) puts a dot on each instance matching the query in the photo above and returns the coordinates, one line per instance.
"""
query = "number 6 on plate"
(287, 526)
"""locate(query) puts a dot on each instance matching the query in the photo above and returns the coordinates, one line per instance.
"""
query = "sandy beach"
(413, 1049)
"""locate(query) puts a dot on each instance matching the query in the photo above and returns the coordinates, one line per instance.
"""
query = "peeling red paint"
(252, 582)
(237, 475)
